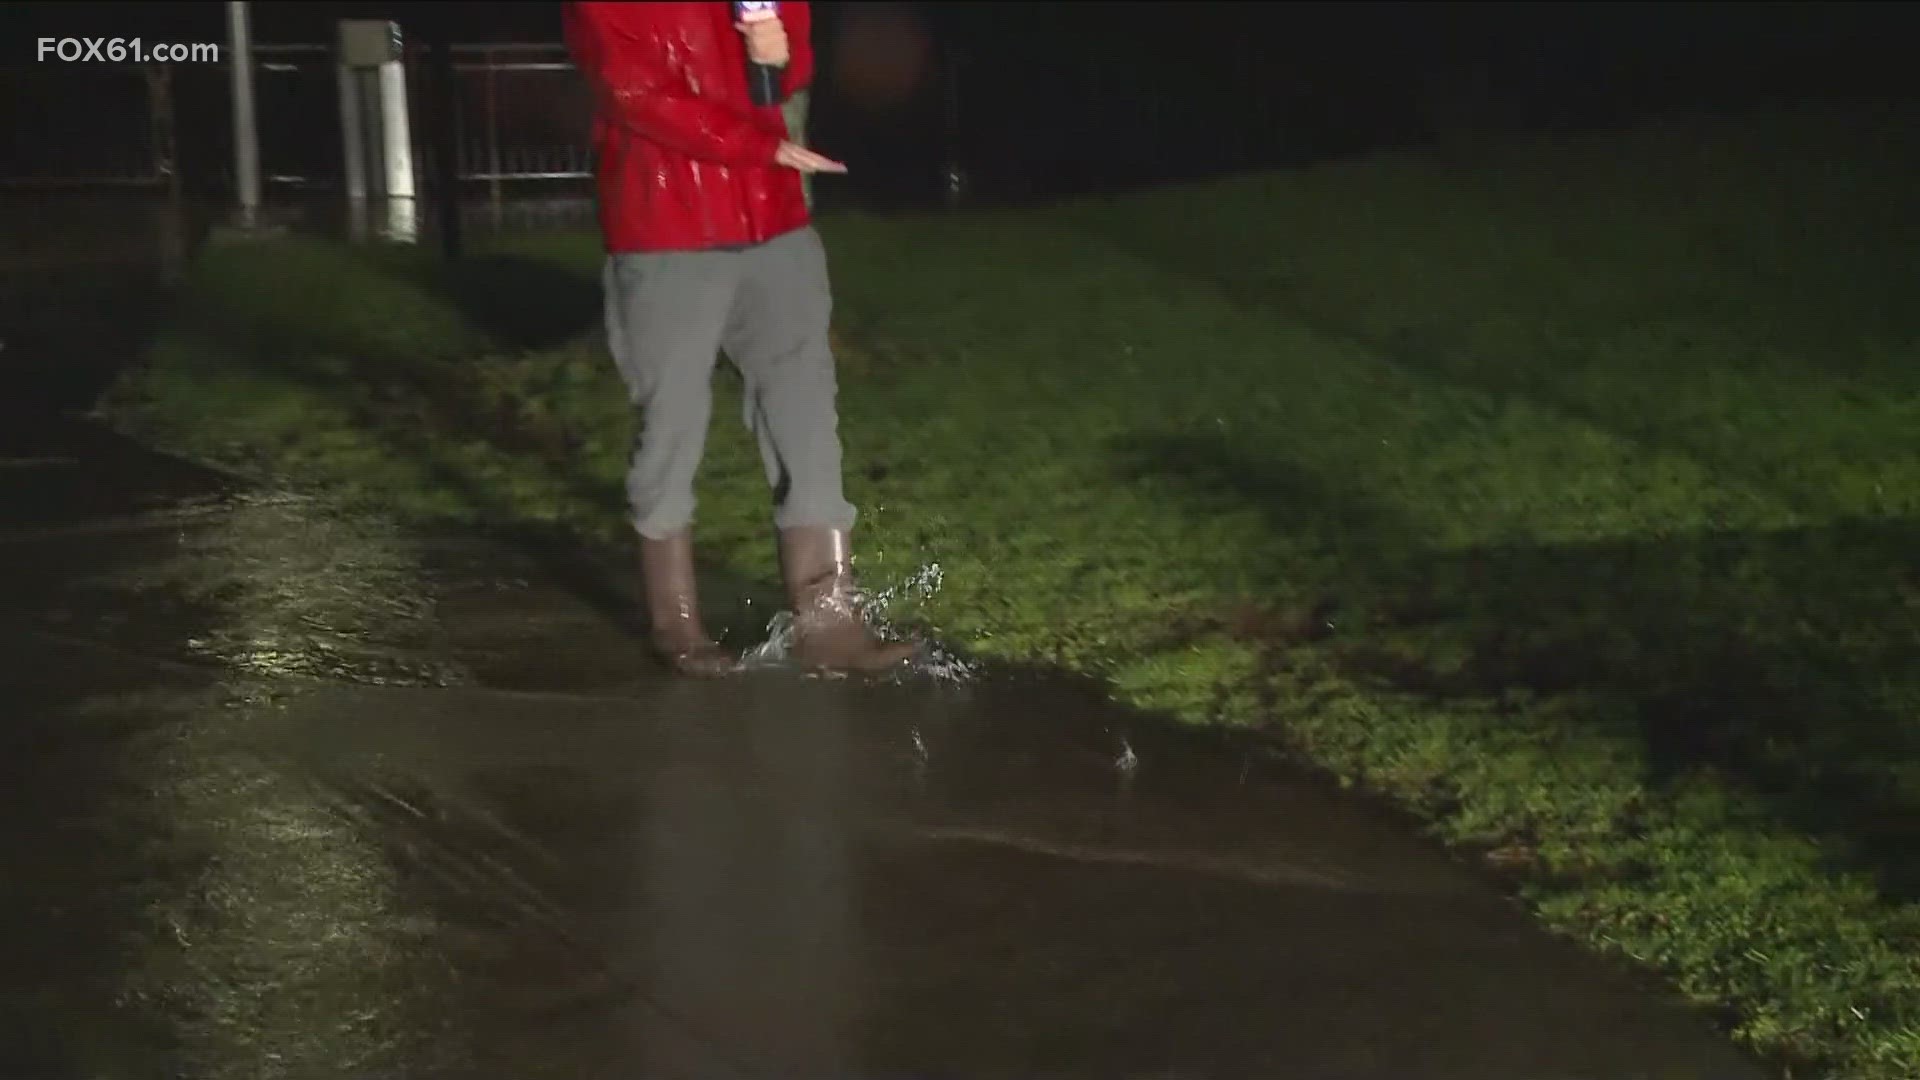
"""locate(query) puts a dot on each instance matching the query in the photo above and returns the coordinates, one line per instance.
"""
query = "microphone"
(763, 80)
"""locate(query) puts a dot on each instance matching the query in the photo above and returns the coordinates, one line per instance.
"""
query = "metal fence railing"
(521, 114)
(521, 123)
(520, 117)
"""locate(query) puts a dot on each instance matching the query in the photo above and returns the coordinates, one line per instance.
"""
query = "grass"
(1570, 495)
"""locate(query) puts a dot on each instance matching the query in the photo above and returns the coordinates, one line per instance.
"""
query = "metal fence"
(521, 117)
(520, 114)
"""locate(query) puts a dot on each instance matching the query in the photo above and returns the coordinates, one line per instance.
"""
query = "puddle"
(333, 845)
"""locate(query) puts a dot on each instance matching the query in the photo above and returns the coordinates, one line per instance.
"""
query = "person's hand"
(766, 41)
(795, 156)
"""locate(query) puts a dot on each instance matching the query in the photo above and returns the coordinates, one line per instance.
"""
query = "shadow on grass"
(1779, 660)
(424, 407)
(556, 550)
(1759, 325)
(85, 284)
(529, 303)
(525, 303)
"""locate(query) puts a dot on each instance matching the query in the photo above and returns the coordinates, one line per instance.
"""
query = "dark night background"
(1058, 98)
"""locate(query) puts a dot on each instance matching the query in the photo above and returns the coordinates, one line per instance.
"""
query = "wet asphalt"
(291, 794)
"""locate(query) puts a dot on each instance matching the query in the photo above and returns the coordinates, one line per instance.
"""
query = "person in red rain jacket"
(710, 247)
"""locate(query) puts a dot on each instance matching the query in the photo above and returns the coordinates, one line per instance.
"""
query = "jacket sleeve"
(798, 17)
(616, 47)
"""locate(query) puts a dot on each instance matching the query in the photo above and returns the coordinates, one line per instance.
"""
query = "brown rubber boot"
(829, 631)
(673, 608)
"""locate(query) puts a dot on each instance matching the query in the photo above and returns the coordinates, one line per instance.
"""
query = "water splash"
(933, 661)
(923, 584)
(773, 652)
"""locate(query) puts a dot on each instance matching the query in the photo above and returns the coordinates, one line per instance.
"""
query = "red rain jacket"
(685, 159)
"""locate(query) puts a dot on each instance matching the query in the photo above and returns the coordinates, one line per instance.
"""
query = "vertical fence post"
(353, 136)
(246, 134)
(372, 57)
(172, 217)
(953, 181)
(353, 144)
(493, 140)
(160, 115)
(446, 171)
(396, 129)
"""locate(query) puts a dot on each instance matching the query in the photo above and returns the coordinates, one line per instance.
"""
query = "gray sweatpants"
(669, 314)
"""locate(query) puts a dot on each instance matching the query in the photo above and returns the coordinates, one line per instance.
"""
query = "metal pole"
(165, 142)
(353, 139)
(172, 218)
(954, 178)
(446, 178)
(246, 134)
(493, 139)
(396, 132)
(371, 119)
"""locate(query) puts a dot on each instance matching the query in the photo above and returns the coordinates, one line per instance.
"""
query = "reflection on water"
(281, 943)
(748, 898)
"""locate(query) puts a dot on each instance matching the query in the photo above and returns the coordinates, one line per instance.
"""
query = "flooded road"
(292, 795)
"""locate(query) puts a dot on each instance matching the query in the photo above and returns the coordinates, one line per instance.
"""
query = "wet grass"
(1570, 496)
